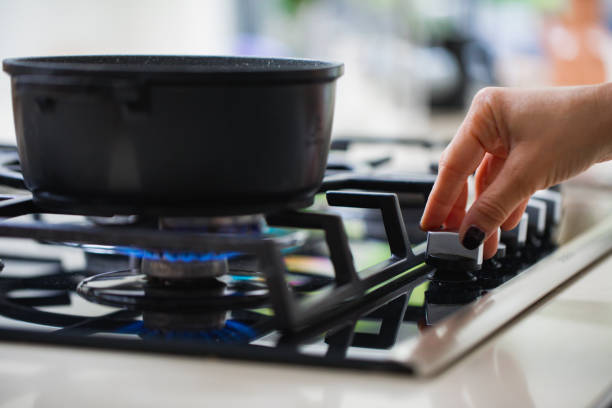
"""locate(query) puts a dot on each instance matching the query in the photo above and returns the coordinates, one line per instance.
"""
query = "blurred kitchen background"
(412, 66)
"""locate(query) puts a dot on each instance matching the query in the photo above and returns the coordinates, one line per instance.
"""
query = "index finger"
(460, 159)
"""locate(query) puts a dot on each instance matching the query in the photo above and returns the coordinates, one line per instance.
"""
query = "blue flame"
(246, 278)
(176, 256)
(232, 332)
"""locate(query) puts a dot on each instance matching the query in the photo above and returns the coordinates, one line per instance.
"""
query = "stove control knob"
(553, 208)
(499, 254)
(537, 217)
(501, 247)
(516, 237)
(501, 251)
(444, 251)
(453, 281)
(493, 271)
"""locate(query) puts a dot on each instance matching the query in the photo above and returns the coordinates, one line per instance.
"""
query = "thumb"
(495, 204)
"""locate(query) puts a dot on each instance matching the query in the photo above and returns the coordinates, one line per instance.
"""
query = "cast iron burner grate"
(241, 326)
(290, 312)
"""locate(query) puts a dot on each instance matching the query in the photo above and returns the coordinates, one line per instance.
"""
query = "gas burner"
(189, 265)
(182, 265)
(137, 291)
(175, 270)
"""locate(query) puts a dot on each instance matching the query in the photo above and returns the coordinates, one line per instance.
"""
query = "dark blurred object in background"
(475, 66)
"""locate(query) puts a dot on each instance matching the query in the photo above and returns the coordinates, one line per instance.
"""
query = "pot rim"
(197, 67)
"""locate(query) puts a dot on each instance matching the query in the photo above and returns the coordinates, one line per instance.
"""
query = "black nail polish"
(473, 237)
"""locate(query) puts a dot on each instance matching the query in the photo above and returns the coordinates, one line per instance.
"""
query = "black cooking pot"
(172, 135)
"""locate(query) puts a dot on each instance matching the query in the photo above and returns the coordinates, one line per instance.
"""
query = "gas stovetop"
(344, 282)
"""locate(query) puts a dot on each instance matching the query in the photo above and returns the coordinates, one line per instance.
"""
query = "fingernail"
(473, 237)
(423, 226)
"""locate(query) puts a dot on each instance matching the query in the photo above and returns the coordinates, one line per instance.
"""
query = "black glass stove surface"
(341, 284)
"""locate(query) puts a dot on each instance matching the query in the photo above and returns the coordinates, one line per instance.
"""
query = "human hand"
(518, 141)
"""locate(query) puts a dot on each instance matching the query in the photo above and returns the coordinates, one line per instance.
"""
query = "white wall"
(56, 27)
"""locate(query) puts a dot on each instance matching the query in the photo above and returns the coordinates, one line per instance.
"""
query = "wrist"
(602, 119)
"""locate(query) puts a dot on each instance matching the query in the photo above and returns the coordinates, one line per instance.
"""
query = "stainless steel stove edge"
(439, 347)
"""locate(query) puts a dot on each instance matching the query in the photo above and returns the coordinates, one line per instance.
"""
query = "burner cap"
(164, 269)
